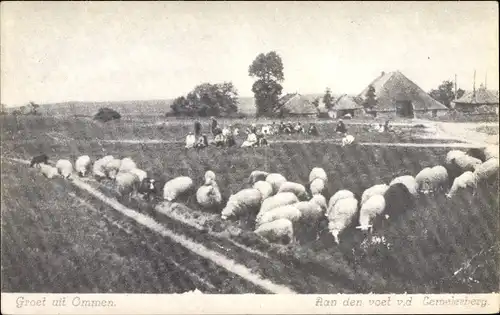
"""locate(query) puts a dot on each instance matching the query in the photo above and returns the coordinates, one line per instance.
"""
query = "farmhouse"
(346, 104)
(295, 104)
(479, 101)
(398, 96)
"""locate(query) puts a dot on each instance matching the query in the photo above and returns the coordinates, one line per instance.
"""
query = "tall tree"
(370, 98)
(316, 102)
(268, 69)
(328, 99)
(445, 93)
(33, 108)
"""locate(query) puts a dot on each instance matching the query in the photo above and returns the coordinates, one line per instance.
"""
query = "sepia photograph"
(252, 149)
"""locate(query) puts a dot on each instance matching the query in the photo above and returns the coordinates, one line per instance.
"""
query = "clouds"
(117, 51)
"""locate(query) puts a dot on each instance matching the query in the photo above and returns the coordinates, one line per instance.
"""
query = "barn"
(346, 104)
(295, 104)
(398, 96)
(481, 101)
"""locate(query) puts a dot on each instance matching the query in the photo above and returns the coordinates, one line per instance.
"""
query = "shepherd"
(214, 126)
(341, 127)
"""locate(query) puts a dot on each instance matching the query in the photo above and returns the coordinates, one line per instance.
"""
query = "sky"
(113, 51)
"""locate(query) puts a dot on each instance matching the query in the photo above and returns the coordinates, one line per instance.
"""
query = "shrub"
(106, 114)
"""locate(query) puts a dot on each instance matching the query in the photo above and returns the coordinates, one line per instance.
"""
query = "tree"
(32, 108)
(316, 102)
(106, 114)
(208, 100)
(328, 99)
(268, 69)
(370, 98)
(445, 93)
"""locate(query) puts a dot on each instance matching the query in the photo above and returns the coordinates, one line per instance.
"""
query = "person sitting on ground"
(219, 140)
(202, 142)
(230, 140)
(282, 127)
(313, 130)
(298, 128)
(251, 140)
(253, 128)
(341, 127)
(190, 140)
(387, 127)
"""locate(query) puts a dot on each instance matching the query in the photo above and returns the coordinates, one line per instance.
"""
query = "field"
(74, 242)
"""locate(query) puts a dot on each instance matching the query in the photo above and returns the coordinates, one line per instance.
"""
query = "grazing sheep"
(39, 159)
(318, 172)
(112, 167)
(424, 180)
(127, 165)
(487, 169)
(256, 176)
(341, 215)
(451, 155)
(276, 180)
(408, 181)
(477, 153)
(317, 186)
(341, 194)
(208, 195)
(265, 189)
(347, 140)
(378, 189)
(278, 200)
(490, 152)
(139, 173)
(177, 187)
(440, 177)
(82, 165)
(466, 180)
(398, 200)
(320, 200)
(298, 189)
(284, 212)
(65, 168)
(278, 231)
(466, 163)
(372, 207)
(98, 168)
(311, 211)
(48, 170)
(127, 183)
(241, 203)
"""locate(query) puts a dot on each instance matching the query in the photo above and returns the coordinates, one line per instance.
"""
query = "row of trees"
(30, 109)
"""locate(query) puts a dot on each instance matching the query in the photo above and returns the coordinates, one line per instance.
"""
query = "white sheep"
(139, 173)
(318, 172)
(311, 211)
(284, 212)
(126, 183)
(112, 167)
(486, 169)
(490, 152)
(440, 177)
(378, 189)
(298, 189)
(317, 186)
(82, 165)
(278, 200)
(424, 180)
(341, 216)
(341, 194)
(241, 203)
(256, 176)
(176, 187)
(320, 200)
(126, 165)
(466, 162)
(276, 180)
(408, 181)
(451, 155)
(466, 180)
(209, 177)
(265, 189)
(65, 168)
(347, 140)
(372, 207)
(98, 168)
(48, 170)
(280, 230)
(208, 195)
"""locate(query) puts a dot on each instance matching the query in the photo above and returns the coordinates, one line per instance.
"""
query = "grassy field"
(428, 244)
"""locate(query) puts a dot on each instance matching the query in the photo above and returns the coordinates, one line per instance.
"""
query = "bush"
(106, 114)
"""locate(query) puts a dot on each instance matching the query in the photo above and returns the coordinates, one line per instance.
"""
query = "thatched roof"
(295, 103)
(394, 86)
(346, 102)
(481, 96)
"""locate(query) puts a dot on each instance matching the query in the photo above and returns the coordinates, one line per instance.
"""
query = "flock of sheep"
(281, 205)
